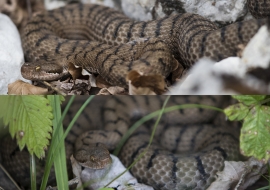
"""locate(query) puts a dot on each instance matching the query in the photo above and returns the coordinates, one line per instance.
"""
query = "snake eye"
(37, 68)
(93, 158)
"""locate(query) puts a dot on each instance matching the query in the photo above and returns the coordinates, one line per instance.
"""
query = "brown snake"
(190, 145)
(104, 41)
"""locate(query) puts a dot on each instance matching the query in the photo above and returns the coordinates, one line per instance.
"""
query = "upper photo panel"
(134, 47)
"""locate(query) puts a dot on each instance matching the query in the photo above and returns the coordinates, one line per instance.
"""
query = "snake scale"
(189, 147)
(104, 41)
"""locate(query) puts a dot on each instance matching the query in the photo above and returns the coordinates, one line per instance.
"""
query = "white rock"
(204, 77)
(257, 51)
(138, 9)
(11, 54)
(100, 178)
(53, 4)
(230, 65)
(108, 3)
(225, 11)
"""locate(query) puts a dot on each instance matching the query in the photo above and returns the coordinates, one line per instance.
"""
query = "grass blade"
(55, 146)
(60, 157)
(160, 113)
(10, 178)
(155, 114)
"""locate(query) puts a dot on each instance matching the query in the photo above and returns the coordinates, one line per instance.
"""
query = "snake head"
(93, 156)
(43, 71)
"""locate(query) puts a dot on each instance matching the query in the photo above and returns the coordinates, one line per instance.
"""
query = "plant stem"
(33, 172)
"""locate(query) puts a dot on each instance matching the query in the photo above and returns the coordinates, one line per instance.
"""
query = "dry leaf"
(178, 73)
(132, 90)
(63, 85)
(101, 83)
(22, 88)
(145, 84)
(240, 50)
(81, 87)
(114, 90)
(238, 175)
(75, 72)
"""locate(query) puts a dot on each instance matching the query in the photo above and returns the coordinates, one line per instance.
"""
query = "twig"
(70, 183)
(11, 179)
(54, 88)
(29, 8)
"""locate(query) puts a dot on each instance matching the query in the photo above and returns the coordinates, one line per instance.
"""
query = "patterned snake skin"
(103, 40)
(190, 145)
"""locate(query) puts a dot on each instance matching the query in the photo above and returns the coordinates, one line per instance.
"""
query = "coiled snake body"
(190, 145)
(103, 40)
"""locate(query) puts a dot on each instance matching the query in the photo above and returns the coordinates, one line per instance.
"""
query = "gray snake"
(190, 145)
(104, 41)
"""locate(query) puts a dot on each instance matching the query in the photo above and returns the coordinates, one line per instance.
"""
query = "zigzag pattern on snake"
(103, 40)
(190, 145)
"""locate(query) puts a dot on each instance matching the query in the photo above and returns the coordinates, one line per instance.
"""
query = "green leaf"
(3, 128)
(236, 112)
(249, 99)
(62, 99)
(255, 133)
(30, 120)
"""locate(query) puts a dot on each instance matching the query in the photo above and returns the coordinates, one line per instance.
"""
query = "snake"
(189, 147)
(104, 41)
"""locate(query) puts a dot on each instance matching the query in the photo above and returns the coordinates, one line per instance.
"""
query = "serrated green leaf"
(255, 133)
(249, 99)
(236, 112)
(3, 128)
(30, 120)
